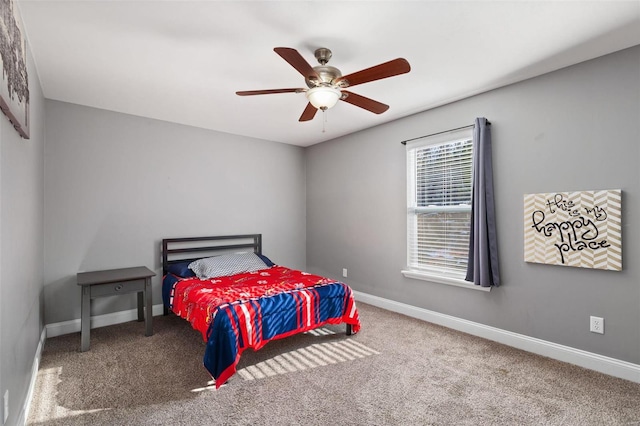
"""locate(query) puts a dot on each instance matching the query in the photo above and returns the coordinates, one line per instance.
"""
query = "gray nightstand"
(113, 282)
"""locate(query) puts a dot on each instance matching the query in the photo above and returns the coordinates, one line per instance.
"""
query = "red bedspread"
(200, 301)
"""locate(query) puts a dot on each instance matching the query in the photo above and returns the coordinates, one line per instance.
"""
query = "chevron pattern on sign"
(581, 229)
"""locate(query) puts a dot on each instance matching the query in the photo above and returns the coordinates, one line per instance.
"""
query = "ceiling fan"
(326, 84)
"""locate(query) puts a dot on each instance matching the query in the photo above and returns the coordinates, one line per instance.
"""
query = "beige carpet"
(396, 371)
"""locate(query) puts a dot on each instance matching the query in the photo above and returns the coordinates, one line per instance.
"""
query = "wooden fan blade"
(268, 92)
(308, 113)
(297, 61)
(365, 103)
(378, 72)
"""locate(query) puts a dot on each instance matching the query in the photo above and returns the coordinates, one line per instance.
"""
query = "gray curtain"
(482, 268)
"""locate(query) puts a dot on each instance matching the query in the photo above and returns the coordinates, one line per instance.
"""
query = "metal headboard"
(175, 250)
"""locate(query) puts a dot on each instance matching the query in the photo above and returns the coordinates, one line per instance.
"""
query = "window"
(439, 184)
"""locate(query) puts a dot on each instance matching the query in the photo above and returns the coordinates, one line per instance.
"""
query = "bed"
(237, 298)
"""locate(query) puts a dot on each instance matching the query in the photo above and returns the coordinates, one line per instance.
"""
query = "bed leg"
(349, 330)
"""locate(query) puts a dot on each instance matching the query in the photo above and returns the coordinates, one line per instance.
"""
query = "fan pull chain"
(324, 119)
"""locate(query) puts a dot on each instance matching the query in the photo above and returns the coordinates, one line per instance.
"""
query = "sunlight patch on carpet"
(49, 408)
(313, 356)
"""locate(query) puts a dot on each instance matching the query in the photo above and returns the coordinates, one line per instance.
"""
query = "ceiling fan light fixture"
(323, 97)
(326, 84)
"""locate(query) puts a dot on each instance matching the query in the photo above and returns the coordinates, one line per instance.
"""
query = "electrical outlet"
(597, 325)
(6, 405)
(344, 272)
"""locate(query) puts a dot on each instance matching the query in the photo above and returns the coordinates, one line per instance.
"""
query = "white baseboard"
(611, 366)
(22, 418)
(73, 326)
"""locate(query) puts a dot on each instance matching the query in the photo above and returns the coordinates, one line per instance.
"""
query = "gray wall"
(21, 250)
(574, 129)
(116, 184)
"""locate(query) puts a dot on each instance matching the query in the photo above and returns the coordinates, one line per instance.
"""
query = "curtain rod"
(439, 133)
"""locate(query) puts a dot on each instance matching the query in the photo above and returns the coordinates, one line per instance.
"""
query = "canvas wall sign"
(14, 87)
(582, 229)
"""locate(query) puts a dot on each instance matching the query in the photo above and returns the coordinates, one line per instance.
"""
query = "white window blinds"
(439, 184)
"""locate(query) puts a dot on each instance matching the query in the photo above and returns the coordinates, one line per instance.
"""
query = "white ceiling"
(182, 61)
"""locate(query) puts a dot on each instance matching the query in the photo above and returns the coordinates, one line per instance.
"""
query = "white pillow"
(227, 264)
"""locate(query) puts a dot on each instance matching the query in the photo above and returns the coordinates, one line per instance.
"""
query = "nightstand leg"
(141, 303)
(85, 318)
(148, 308)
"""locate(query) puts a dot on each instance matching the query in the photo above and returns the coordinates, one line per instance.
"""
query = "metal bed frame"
(176, 250)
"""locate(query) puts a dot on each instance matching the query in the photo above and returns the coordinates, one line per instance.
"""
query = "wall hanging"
(14, 87)
(581, 229)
